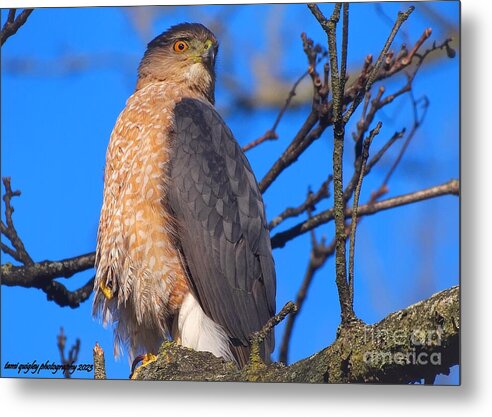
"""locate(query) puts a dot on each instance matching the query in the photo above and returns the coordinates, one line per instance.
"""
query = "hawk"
(183, 248)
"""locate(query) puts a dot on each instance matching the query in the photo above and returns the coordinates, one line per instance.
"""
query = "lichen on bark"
(410, 345)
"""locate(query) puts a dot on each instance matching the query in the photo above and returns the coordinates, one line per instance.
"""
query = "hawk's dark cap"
(182, 31)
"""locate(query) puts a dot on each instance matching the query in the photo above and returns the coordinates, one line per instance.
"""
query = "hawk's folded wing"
(221, 225)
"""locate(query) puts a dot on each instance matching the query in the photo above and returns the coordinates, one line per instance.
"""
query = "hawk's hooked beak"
(208, 57)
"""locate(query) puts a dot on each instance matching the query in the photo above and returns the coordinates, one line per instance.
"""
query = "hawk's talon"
(145, 359)
(106, 290)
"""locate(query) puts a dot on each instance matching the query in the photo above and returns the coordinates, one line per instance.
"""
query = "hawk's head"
(185, 55)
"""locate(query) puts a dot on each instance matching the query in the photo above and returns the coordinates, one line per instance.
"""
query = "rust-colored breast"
(136, 257)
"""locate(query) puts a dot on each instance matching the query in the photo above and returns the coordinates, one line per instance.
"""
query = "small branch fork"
(40, 275)
(258, 337)
(271, 134)
(13, 23)
(73, 353)
(18, 252)
(308, 205)
(315, 55)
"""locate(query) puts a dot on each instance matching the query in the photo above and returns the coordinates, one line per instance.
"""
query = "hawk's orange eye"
(180, 46)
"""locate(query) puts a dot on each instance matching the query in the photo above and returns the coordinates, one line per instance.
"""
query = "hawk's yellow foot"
(145, 359)
(106, 290)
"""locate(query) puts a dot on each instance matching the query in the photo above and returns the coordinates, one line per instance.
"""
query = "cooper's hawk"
(183, 247)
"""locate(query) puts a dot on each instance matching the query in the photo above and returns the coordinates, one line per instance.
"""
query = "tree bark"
(410, 345)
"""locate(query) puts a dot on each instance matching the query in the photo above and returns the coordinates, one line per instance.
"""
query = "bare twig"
(37, 273)
(375, 159)
(13, 24)
(271, 134)
(58, 293)
(416, 124)
(451, 187)
(258, 337)
(72, 354)
(343, 65)
(312, 54)
(402, 17)
(40, 274)
(311, 200)
(427, 32)
(305, 136)
(389, 21)
(355, 205)
(19, 252)
(368, 116)
(268, 135)
(301, 141)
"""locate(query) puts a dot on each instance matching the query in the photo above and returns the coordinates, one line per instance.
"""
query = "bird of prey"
(183, 248)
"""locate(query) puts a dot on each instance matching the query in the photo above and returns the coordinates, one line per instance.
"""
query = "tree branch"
(402, 17)
(308, 204)
(13, 24)
(73, 353)
(338, 92)
(19, 252)
(355, 206)
(407, 346)
(258, 337)
(271, 134)
(42, 275)
(40, 272)
(451, 187)
(305, 137)
(99, 362)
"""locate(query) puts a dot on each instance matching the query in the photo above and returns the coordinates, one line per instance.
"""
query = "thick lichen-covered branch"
(410, 345)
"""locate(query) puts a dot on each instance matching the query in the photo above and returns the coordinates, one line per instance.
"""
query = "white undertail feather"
(197, 331)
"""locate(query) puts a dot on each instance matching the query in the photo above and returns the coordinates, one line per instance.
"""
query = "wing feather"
(221, 224)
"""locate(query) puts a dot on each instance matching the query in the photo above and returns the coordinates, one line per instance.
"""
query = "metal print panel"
(248, 193)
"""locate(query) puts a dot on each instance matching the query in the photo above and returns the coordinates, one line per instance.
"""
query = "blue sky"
(66, 76)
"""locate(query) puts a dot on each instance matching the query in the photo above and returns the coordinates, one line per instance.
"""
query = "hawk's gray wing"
(221, 225)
